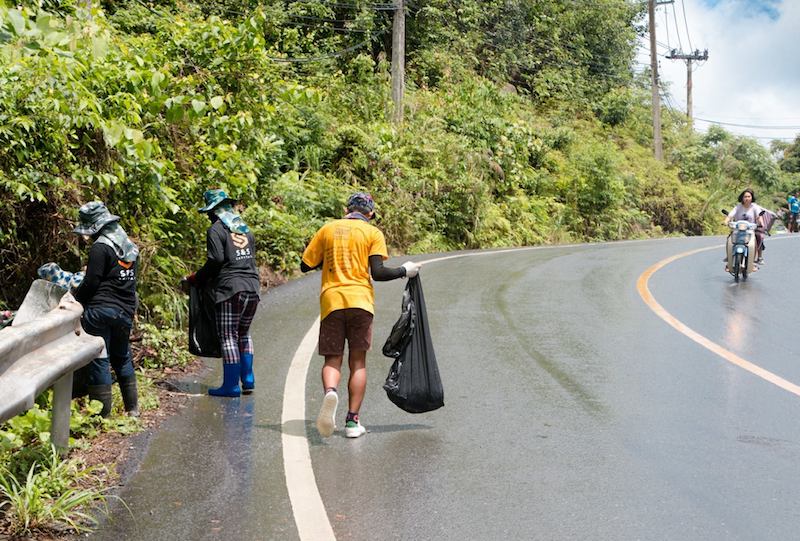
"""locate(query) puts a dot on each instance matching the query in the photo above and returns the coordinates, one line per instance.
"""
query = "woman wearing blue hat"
(231, 272)
(108, 296)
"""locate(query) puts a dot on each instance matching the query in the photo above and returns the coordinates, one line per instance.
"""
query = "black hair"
(747, 190)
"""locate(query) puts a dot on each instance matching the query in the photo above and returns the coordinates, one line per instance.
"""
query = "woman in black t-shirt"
(108, 296)
(231, 273)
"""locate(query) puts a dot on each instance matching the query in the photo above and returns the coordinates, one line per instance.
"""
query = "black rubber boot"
(103, 394)
(80, 383)
(130, 395)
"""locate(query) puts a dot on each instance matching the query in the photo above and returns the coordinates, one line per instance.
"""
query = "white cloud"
(752, 75)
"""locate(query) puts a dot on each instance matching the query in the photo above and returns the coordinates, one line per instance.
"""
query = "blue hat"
(93, 217)
(215, 198)
(361, 202)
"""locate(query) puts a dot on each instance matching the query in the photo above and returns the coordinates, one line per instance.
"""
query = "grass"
(51, 496)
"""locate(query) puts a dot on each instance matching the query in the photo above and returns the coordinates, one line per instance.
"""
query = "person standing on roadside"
(231, 272)
(348, 250)
(794, 209)
(108, 296)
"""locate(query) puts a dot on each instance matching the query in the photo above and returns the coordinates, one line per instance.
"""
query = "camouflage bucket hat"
(215, 198)
(93, 216)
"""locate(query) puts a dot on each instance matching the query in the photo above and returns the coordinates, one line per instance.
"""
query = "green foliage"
(48, 494)
(675, 207)
(615, 107)
(162, 348)
(790, 156)
(40, 490)
(524, 124)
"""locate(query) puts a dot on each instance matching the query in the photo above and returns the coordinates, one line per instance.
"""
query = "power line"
(677, 30)
(333, 28)
(754, 126)
(328, 56)
(768, 138)
(321, 19)
(763, 119)
(374, 7)
(685, 22)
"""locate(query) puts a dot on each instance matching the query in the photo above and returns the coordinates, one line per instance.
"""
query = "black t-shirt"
(231, 264)
(108, 281)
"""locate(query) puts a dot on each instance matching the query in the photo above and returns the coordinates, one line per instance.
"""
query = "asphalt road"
(572, 412)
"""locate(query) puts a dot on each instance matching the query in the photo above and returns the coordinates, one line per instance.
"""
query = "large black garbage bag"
(203, 337)
(413, 384)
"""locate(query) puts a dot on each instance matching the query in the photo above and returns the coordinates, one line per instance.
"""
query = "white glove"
(412, 269)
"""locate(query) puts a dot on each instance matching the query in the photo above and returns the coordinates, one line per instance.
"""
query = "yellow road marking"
(647, 297)
(308, 508)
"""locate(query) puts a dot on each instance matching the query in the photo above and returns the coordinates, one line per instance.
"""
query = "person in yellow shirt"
(348, 251)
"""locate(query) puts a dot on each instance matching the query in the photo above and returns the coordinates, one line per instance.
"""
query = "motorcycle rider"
(746, 210)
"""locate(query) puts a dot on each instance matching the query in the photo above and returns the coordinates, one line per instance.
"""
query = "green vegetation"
(525, 124)
(49, 495)
(41, 491)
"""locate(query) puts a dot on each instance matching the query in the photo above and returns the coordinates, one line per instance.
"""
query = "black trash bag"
(203, 337)
(413, 383)
(402, 329)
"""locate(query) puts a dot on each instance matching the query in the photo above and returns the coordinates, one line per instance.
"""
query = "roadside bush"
(161, 348)
(50, 494)
(674, 207)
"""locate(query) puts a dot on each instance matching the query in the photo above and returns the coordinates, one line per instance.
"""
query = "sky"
(752, 75)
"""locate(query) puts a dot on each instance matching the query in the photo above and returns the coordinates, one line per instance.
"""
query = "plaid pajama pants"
(234, 317)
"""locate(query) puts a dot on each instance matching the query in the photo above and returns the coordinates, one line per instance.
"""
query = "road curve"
(572, 410)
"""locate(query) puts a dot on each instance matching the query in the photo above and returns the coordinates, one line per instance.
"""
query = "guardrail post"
(62, 398)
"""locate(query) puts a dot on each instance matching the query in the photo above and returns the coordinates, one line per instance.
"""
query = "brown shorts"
(354, 324)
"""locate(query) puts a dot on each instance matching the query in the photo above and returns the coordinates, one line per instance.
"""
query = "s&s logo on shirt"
(242, 245)
(127, 272)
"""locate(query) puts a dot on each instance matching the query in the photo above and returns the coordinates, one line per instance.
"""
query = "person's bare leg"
(332, 371)
(357, 384)
(331, 374)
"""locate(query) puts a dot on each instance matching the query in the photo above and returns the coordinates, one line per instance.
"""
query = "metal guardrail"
(42, 349)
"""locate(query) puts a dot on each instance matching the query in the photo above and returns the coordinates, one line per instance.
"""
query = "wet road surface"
(572, 411)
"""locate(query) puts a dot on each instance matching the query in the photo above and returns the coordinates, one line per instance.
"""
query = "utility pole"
(658, 148)
(696, 55)
(398, 60)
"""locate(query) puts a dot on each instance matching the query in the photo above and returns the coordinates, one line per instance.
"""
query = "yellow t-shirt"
(343, 247)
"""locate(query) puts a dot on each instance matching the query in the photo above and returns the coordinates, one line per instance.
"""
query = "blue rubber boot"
(248, 378)
(230, 381)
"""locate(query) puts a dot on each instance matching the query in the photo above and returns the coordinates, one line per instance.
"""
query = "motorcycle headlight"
(742, 226)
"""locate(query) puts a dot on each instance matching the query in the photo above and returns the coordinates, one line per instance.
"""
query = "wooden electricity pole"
(658, 148)
(696, 55)
(398, 60)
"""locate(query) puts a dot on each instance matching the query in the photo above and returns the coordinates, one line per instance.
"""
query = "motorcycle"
(741, 245)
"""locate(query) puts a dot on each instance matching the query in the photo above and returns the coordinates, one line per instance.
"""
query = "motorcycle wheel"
(737, 264)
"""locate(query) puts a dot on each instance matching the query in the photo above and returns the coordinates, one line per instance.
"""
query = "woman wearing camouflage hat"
(231, 271)
(108, 296)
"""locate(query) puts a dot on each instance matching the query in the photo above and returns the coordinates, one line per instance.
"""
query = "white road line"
(309, 511)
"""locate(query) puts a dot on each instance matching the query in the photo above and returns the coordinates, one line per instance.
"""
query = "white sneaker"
(354, 429)
(326, 420)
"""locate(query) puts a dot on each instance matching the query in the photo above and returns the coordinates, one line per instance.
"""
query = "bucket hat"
(215, 198)
(93, 216)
